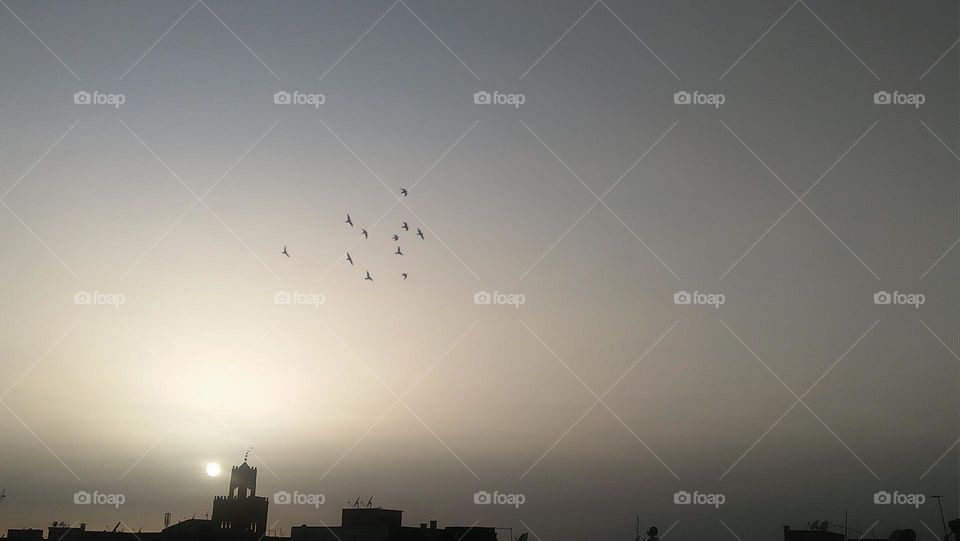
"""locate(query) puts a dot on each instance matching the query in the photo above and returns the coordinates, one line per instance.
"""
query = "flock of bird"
(366, 236)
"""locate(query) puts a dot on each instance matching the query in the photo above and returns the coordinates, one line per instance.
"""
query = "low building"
(375, 524)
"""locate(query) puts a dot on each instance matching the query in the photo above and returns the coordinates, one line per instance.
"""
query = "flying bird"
(403, 192)
(405, 226)
(284, 252)
(349, 221)
(420, 233)
(350, 259)
(404, 275)
(395, 237)
(398, 252)
(368, 276)
(365, 234)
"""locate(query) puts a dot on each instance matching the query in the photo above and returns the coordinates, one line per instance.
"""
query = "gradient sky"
(200, 363)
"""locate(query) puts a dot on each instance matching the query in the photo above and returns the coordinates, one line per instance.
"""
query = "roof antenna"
(246, 454)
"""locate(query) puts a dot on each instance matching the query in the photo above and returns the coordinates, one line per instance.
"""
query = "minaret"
(243, 481)
(241, 512)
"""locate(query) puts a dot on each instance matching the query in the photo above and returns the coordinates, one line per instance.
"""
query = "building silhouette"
(241, 510)
(241, 515)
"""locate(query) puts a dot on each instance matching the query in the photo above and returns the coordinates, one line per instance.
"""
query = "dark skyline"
(669, 247)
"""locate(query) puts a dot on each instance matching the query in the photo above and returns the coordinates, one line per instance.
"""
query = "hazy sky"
(797, 199)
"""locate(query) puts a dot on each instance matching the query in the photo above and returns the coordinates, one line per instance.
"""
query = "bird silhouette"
(420, 233)
(349, 221)
(368, 276)
(284, 252)
(396, 238)
(404, 275)
(405, 226)
(398, 252)
(403, 192)
(350, 259)
(365, 234)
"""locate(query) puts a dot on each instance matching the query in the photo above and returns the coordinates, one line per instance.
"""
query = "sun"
(213, 469)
